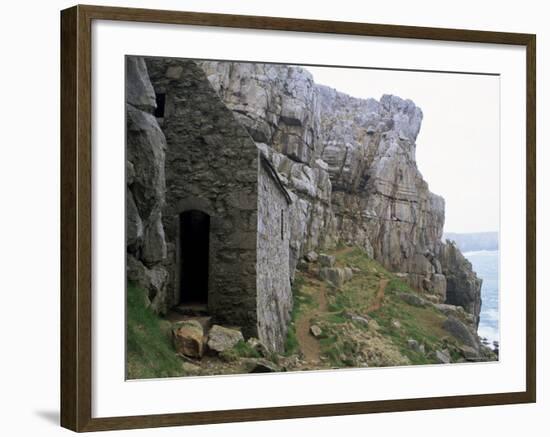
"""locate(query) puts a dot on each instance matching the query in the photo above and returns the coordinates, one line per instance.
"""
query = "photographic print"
(284, 218)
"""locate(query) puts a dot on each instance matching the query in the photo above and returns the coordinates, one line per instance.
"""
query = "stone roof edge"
(266, 163)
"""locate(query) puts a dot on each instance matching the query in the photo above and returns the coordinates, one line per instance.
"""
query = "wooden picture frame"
(76, 217)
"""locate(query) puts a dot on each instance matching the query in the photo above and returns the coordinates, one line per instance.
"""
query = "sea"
(485, 264)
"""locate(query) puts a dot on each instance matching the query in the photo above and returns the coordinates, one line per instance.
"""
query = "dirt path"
(379, 298)
(308, 343)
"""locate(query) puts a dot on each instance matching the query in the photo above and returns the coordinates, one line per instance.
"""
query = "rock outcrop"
(145, 187)
(463, 285)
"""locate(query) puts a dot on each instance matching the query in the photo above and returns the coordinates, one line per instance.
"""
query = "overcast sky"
(457, 150)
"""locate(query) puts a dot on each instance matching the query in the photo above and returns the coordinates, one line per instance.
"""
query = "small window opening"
(282, 225)
(161, 102)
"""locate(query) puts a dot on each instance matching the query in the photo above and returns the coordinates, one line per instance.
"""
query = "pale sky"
(457, 149)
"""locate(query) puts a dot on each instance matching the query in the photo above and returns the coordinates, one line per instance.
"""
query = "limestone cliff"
(351, 165)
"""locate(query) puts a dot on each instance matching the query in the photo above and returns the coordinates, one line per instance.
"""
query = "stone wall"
(273, 276)
(145, 188)
(212, 166)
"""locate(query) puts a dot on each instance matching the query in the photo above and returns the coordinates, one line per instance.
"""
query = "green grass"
(149, 350)
(240, 350)
(420, 324)
(356, 296)
(397, 285)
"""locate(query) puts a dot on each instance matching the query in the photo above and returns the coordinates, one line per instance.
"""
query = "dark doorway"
(161, 103)
(194, 244)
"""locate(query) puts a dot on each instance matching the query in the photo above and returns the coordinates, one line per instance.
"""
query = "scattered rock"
(261, 365)
(469, 353)
(258, 346)
(432, 298)
(221, 339)
(326, 260)
(302, 265)
(413, 344)
(396, 324)
(412, 299)
(311, 256)
(188, 338)
(315, 331)
(443, 356)
(362, 320)
(190, 369)
(348, 274)
(448, 309)
(334, 275)
(460, 331)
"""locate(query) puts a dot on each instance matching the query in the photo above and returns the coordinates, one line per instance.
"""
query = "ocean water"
(485, 264)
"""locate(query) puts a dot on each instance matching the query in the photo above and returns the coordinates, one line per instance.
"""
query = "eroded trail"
(379, 298)
(308, 343)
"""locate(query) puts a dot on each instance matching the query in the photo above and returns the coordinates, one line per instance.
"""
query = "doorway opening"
(194, 257)
(161, 103)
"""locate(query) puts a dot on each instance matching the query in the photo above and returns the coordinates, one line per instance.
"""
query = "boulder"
(448, 309)
(188, 338)
(396, 324)
(261, 365)
(460, 331)
(443, 356)
(348, 273)
(153, 280)
(221, 338)
(362, 320)
(413, 344)
(258, 346)
(469, 353)
(334, 276)
(326, 260)
(311, 256)
(302, 265)
(190, 369)
(412, 299)
(315, 331)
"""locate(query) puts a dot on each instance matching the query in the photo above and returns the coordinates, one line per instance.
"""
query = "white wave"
(489, 332)
(490, 314)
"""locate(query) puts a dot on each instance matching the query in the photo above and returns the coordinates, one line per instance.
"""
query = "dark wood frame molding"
(76, 249)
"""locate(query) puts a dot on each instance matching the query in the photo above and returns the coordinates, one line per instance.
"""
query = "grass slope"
(346, 340)
(149, 351)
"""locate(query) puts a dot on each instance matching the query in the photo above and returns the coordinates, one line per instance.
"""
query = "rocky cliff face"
(145, 187)
(350, 162)
(463, 286)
